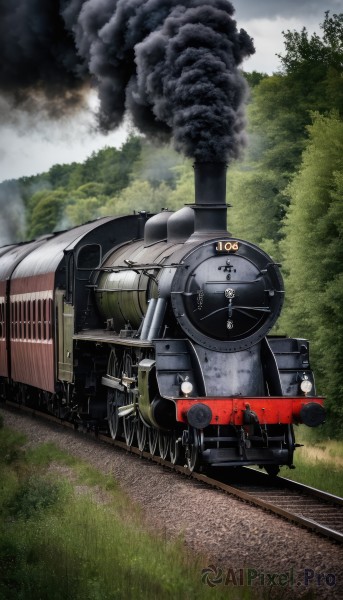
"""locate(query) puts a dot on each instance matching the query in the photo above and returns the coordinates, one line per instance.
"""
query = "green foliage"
(10, 446)
(254, 78)
(139, 195)
(314, 256)
(86, 209)
(45, 212)
(87, 542)
(321, 474)
(35, 495)
(45, 454)
(54, 199)
(319, 460)
(257, 204)
(311, 80)
(302, 50)
(276, 126)
(59, 175)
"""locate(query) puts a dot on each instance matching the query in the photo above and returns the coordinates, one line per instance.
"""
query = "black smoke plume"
(172, 65)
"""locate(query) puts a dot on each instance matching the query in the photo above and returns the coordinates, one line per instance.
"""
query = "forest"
(286, 193)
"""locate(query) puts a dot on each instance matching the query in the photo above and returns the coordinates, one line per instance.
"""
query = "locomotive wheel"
(112, 414)
(141, 434)
(176, 450)
(192, 451)
(130, 426)
(163, 444)
(152, 440)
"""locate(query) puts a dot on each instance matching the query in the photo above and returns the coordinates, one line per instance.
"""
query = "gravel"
(232, 538)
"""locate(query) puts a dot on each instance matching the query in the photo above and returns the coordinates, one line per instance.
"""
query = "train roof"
(5, 249)
(47, 256)
(11, 256)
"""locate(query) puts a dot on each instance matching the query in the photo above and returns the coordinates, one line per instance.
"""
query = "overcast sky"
(26, 151)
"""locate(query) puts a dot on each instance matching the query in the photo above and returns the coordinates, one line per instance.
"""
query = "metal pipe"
(157, 320)
(148, 319)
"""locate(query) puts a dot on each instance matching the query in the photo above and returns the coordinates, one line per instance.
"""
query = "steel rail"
(248, 492)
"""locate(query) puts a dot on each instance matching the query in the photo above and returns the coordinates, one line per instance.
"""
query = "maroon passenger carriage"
(42, 305)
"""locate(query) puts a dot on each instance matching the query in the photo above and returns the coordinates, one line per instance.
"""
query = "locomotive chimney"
(210, 200)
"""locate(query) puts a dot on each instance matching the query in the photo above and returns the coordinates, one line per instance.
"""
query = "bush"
(35, 495)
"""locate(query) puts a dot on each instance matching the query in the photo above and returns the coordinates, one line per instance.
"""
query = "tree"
(316, 63)
(84, 204)
(257, 206)
(46, 212)
(184, 190)
(303, 51)
(113, 167)
(313, 257)
(86, 209)
(59, 175)
(279, 114)
(310, 79)
(140, 195)
(254, 77)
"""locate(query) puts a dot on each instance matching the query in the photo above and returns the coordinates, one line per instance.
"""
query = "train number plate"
(225, 247)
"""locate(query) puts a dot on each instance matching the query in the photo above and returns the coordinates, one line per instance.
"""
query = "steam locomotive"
(155, 327)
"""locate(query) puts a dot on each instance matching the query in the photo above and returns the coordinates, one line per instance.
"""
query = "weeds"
(36, 494)
(11, 446)
(56, 544)
(319, 463)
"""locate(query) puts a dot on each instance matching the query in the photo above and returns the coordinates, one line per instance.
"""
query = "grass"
(319, 463)
(68, 532)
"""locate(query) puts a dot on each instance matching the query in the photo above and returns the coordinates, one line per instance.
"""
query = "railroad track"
(309, 507)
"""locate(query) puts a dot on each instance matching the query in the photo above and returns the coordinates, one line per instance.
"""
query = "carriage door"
(65, 323)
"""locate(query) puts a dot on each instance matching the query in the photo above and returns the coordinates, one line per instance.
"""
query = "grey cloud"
(254, 9)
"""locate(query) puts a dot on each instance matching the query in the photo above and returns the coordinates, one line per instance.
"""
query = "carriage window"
(16, 320)
(29, 336)
(39, 320)
(34, 319)
(89, 257)
(2, 320)
(46, 319)
(12, 319)
(24, 319)
(20, 320)
(49, 319)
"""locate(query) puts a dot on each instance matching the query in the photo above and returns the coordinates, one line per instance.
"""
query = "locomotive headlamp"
(306, 386)
(186, 387)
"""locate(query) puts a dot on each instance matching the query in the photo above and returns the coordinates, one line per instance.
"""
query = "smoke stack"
(210, 200)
